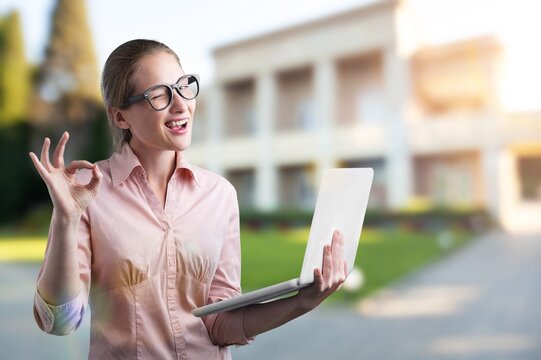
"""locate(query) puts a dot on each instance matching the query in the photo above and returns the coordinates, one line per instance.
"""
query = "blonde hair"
(118, 82)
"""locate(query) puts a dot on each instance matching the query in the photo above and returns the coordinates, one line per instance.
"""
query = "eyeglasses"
(161, 96)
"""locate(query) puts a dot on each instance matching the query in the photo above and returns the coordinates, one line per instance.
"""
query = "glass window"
(529, 169)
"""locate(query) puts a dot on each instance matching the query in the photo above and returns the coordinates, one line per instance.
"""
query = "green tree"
(14, 71)
(67, 88)
(66, 91)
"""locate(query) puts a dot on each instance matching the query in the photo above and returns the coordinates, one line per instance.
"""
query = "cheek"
(145, 127)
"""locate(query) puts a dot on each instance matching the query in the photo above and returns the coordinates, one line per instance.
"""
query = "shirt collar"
(123, 162)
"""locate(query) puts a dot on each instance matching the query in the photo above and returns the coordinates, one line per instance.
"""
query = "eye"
(157, 97)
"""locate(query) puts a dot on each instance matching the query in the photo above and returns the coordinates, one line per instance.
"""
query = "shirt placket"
(171, 273)
(171, 270)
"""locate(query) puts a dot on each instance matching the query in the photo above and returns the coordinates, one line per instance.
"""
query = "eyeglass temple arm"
(133, 99)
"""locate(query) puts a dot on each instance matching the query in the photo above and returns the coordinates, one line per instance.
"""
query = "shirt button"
(171, 262)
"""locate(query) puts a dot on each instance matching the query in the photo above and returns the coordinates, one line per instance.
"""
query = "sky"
(191, 28)
(194, 28)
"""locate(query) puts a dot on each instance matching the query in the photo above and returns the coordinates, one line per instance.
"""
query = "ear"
(118, 118)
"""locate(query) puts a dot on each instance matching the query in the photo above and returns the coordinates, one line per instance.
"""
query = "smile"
(174, 124)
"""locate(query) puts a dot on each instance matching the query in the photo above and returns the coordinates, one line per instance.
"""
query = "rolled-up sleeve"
(65, 318)
(226, 328)
(60, 319)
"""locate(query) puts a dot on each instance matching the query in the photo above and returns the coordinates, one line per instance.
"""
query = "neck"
(159, 165)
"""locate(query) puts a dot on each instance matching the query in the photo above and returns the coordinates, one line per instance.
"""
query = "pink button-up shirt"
(145, 267)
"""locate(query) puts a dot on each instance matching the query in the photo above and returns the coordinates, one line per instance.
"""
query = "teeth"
(176, 123)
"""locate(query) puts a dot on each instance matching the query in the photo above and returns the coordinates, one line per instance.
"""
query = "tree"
(67, 89)
(14, 71)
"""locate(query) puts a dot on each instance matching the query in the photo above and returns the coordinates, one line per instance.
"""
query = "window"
(454, 78)
(360, 89)
(529, 169)
(244, 182)
(296, 100)
(449, 179)
(297, 187)
(240, 108)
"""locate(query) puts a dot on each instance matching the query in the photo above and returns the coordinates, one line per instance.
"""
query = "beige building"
(340, 91)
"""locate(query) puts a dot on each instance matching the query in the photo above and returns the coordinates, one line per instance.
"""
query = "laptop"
(341, 205)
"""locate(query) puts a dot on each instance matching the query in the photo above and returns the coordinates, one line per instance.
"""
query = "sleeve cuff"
(244, 340)
(227, 328)
(60, 319)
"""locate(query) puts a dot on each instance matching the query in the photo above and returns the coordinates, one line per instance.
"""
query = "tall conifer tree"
(67, 81)
(14, 71)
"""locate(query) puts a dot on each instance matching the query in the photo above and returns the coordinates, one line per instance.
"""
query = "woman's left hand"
(328, 280)
(259, 318)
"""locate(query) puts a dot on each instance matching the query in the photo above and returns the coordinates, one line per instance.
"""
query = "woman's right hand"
(69, 198)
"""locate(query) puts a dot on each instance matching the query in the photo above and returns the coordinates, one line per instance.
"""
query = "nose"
(178, 103)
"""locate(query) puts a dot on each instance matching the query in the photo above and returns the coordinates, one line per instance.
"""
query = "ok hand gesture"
(69, 198)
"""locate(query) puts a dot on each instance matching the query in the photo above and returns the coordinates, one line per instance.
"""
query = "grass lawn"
(383, 256)
(22, 248)
(273, 255)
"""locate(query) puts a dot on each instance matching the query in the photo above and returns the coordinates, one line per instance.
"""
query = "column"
(266, 194)
(215, 128)
(399, 161)
(325, 98)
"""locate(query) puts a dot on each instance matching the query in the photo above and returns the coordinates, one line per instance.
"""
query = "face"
(168, 129)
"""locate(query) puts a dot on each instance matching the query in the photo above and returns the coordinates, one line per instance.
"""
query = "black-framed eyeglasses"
(161, 96)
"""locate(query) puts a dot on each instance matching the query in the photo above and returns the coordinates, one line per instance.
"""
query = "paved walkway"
(479, 303)
(20, 338)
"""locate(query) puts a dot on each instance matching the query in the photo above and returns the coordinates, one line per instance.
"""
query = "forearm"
(59, 281)
(260, 318)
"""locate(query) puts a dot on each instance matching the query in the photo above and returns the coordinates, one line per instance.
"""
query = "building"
(339, 91)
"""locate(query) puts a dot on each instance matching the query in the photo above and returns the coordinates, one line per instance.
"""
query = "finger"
(318, 279)
(95, 182)
(337, 247)
(58, 156)
(327, 266)
(341, 274)
(39, 167)
(77, 165)
(45, 154)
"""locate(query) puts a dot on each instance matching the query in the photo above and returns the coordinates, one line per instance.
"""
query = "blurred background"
(439, 97)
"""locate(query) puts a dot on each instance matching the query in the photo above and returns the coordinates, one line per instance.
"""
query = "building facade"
(339, 92)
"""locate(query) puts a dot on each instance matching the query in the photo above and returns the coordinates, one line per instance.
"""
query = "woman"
(144, 236)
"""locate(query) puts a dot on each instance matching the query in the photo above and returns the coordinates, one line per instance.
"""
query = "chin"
(184, 145)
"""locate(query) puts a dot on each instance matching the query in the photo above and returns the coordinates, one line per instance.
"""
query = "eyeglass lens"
(160, 97)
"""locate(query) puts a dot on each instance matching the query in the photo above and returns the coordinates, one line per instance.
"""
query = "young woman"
(144, 237)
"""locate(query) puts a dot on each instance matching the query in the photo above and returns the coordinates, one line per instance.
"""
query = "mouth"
(177, 124)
